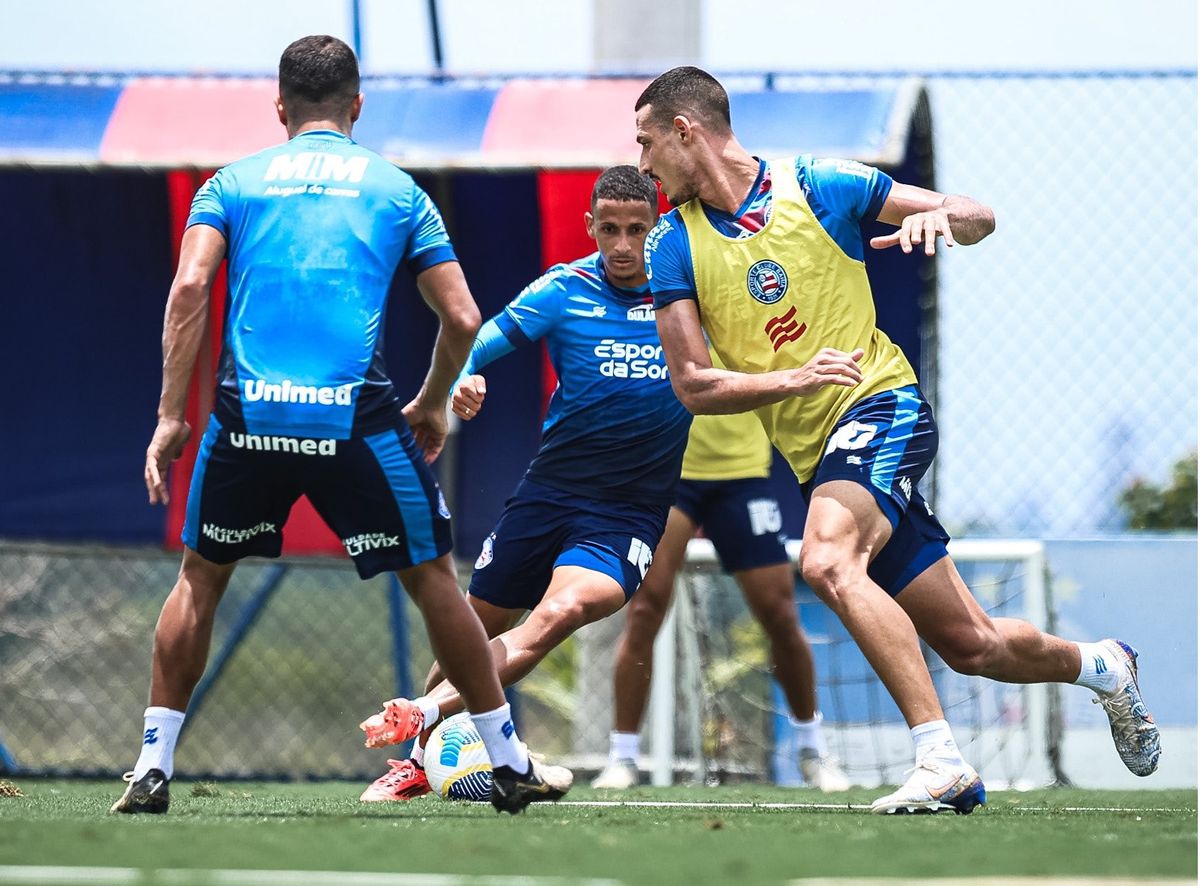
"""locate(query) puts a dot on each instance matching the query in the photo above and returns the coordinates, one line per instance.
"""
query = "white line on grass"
(70, 876)
(851, 807)
(993, 881)
(75, 876)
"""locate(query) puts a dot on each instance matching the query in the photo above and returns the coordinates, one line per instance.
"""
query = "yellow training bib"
(726, 447)
(774, 299)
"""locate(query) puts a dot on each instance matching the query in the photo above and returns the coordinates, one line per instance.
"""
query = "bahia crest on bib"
(774, 299)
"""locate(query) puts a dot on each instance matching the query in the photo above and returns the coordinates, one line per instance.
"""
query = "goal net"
(717, 715)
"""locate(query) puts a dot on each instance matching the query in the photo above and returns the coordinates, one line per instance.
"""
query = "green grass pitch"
(322, 827)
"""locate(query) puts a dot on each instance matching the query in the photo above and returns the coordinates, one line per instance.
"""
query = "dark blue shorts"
(543, 528)
(740, 517)
(375, 492)
(886, 443)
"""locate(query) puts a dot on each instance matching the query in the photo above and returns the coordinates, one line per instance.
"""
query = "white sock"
(622, 746)
(809, 734)
(1099, 669)
(430, 710)
(500, 738)
(935, 738)
(161, 731)
(418, 753)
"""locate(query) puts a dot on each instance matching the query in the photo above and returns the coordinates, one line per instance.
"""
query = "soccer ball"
(456, 762)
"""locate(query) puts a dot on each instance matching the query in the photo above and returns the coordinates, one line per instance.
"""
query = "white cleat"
(823, 772)
(620, 775)
(935, 786)
(1133, 729)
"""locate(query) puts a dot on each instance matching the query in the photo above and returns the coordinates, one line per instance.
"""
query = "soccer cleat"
(618, 775)
(150, 793)
(935, 786)
(1133, 729)
(404, 781)
(821, 771)
(512, 792)
(399, 721)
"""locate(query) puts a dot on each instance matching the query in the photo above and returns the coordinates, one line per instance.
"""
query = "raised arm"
(444, 289)
(200, 255)
(706, 390)
(922, 216)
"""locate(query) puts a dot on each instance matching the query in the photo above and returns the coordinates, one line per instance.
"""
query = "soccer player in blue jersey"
(764, 261)
(577, 536)
(314, 230)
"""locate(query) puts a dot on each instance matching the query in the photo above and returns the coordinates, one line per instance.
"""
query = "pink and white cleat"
(399, 721)
(404, 781)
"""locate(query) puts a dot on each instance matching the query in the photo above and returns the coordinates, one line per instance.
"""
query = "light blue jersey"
(315, 229)
(614, 430)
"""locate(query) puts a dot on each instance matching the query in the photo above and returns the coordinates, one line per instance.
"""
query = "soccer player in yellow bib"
(726, 491)
(767, 260)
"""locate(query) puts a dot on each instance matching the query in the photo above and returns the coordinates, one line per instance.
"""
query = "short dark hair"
(319, 71)
(625, 183)
(686, 91)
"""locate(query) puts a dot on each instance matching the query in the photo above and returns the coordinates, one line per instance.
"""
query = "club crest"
(767, 281)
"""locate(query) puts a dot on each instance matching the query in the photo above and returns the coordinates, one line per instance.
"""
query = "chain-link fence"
(1067, 341)
(302, 651)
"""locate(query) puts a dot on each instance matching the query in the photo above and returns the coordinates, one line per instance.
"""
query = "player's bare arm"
(706, 390)
(200, 255)
(445, 290)
(468, 397)
(923, 215)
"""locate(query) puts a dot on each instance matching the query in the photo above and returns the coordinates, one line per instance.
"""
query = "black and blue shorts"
(374, 491)
(740, 517)
(543, 527)
(886, 443)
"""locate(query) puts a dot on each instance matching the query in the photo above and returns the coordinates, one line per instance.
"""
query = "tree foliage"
(1167, 507)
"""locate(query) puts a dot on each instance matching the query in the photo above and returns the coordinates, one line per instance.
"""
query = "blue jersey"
(841, 193)
(614, 430)
(315, 230)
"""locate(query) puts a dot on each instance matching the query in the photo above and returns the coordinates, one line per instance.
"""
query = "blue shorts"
(375, 492)
(543, 528)
(886, 443)
(740, 517)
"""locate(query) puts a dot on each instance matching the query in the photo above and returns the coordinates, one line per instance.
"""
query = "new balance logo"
(640, 555)
(782, 330)
(151, 736)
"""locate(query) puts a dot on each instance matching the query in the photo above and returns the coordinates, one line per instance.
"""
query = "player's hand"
(468, 397)
(828, 367)
(165, 446)
(429, 426)
(920, 227)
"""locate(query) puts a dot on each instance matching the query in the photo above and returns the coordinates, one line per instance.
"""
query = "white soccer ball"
(456, 762)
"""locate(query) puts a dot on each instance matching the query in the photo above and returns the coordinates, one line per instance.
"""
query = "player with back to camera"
(725, 490)
(766, 259)
(579, 532)
(304, 406)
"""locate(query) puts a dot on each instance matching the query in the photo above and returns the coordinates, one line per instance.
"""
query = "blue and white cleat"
(1133, 729)
(935, 786)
